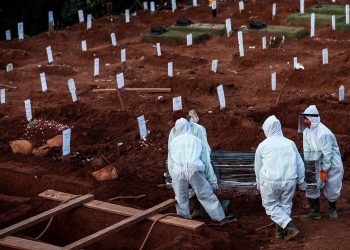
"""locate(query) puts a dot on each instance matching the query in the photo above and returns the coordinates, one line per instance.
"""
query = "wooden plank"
(90, 239)
(122, 210)
(24, 244)
(146, 90)
(46, 215)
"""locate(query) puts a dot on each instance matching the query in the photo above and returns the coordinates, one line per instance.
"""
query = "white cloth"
(186, 168)
(278, 168)
(319, 138)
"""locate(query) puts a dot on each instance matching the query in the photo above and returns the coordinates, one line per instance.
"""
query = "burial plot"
(209, 28)
(175, 37)
(279, 31)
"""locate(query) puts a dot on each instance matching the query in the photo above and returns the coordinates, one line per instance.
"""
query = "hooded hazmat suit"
(319, 138)
(186, 167)
(278, 169)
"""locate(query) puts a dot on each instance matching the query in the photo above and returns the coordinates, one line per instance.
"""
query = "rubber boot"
(279, 234)
(333, 215)
(314, 212)
(290, 232)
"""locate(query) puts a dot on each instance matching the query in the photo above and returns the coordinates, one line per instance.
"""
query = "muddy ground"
(98, 125)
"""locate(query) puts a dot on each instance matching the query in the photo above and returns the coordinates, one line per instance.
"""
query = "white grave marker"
(120, 80)
(81, 16)
(123, 55)
(295, 62)
(2, 96)
(333, 22)
(264, 42)
(8, 35)
(153, 7)
(170, 69)
(43, 82)
(142, 127)
(114, 39)
(240, 43)
(273, 10)
(49, 54)
(173, 5)
(145, 5)
(347, 14)
(228, 25)
(159, 51)
(72, 90)
(221, 96)
(341, 93)
(89, 21)
(66, 141)
(214, 65)
(96, 67)
(28, 108)
(177, 103)
(302, 7)
(189, 39)
(127, 16)
(241, 6)
(194, 3)
(325, 56)
(273, 81)
(83, 45)
(20, 28)
(213, 5)
(312, 31)
(51, 19)
(9, 67)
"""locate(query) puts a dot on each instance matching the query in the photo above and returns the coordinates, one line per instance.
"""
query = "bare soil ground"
(97, 127)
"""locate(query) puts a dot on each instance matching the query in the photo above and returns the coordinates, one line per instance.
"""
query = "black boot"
(333, 210)
(290, 232)
(314, 212)
(279, 234)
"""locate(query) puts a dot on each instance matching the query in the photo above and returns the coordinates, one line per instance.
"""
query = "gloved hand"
(214, 186)
(324, 175)
(302, 186)
(258, 186)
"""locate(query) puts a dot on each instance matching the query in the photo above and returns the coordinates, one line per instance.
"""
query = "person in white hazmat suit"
(278, 169)
(317, 137)
(186, 168)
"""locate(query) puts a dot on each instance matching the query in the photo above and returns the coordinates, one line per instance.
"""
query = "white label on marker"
(83, 45)
(273, 81)
(333, 22)
(228, 27)
(43, 82)
(341, 93)
(170, 69)
(325, 56)
(8, 35)
(173, 5)
(221, 96)
(51, 20)
(214, 65)
(145, 6)
(240, 43)
(66, 141)
(142, 127)
(2, 96)
(312, 32)
(273, 9)
(213, 5)
(120, 80)
(89, 21)
(96, 66)
(159, 51)
(9, 67)
(347, 14)
(189, 39)
(153, 7)
(177, 103)
(295, 62)
(114, 39)
(123, 55)
(302, 6)
(49, 54)
(127, 16)
(241, 6)
(264, 42)
(20, 31)
(28, 108)
(194, 3)
(81, 16)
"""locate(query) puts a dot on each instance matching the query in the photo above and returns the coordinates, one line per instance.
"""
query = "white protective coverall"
(186, 168)
(278, 169)
(200, 132)
(319, 138)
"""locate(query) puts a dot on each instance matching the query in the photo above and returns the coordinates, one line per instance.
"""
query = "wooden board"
(88, 240)
(145, 90)
(122, 210)
(23, 244)
(46, 215)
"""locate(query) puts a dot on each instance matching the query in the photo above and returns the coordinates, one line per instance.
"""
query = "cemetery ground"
(102, 130)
